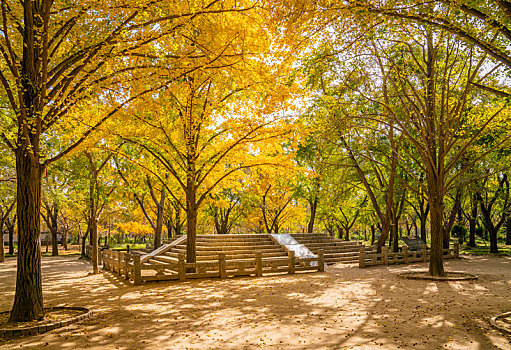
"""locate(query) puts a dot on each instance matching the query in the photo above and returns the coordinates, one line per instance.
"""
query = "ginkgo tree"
(56, 56)
(199, 150)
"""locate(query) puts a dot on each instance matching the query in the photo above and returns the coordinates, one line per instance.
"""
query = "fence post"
(117, 265)
(291, 262)
(112, 260)
(423, 252)
(362, 256)
(100, 260)
(181, 270)
(456, 250)
(259, 264)
(122, 263)
(104, 260)
(385, 256)
(127, 258)
(137, 273)
(222, 268)
(405, 254)
(127, 248)
(321, 261)
(110, 268)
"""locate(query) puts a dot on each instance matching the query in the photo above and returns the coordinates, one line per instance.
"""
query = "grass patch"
(483, 248)
(123, 246)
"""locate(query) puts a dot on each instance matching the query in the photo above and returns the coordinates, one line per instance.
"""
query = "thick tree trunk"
(394, 241)
(191, 218)
(84, 239)
(54, 232)
(313, 207)
(472, 221)
(64, 239)
(436, 261)
(472, 233)
(508, 230)
(493, 231)
(191, 234)
(159, 221)
(10, 228)
(28, 299)
(2, 254)
(54, 243)
(340, 231)
(385, 229)
(94, 235)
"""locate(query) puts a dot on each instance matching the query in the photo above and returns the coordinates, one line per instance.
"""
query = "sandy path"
(344, 308)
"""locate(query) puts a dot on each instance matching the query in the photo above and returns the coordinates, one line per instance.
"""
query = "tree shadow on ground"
(342, 308)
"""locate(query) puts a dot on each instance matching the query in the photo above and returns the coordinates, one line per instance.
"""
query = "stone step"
(336, 261)
(334, 254)
(311, 241)
(232, 244)
(335, 245)
(236, 236)
(309, 235)
(334, 250)
(214, 257)
(232, 239)
(231, 251)
(240, 256)
(231, 248)
(165, 259)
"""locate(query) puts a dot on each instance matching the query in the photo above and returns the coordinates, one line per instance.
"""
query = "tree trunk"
(436, 261)
(472, 221)
(54, 232)
(10, 228)
(191, 234)
(384, 233)
(508, 230)
(313, 208)
(373, 234)
(472, 233)
(159, 220)
(54, 243)
(84, 239)
(28, 299)
(64, 239)
(394, 241)
(493, 231)
(2, 254)
(94, 235)
(339, 231)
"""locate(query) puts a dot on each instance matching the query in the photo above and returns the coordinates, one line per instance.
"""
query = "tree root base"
(55, 317)
(449, 276)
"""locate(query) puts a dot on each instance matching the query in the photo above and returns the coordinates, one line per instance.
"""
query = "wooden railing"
(405, 256)
(88, 253)
(130, 267)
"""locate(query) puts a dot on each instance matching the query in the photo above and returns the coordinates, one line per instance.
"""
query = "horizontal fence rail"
(132, 266)
(405, 256)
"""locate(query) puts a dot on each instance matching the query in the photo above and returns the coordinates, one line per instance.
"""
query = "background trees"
(203, 98)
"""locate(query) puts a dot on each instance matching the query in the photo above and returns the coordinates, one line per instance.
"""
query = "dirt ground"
(343, 308)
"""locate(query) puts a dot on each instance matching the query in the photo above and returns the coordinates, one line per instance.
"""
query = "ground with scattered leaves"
(343, 308)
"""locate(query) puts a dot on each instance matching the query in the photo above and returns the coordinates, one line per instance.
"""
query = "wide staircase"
(334, 250)
(235, 247)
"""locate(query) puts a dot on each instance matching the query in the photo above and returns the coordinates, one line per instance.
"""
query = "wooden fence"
(405, 256)
(88, 253)
(130, 267)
